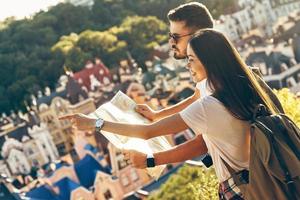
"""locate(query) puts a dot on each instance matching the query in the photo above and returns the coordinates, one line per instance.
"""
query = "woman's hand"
(80, 121)
(137, 159)
(146, 111)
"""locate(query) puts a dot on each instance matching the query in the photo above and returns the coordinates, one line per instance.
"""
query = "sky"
(23, 8)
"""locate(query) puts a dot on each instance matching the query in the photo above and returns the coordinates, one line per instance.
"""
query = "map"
(121, 108)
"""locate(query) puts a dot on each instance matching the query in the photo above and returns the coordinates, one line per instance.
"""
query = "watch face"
(150, 162)
(99, 122)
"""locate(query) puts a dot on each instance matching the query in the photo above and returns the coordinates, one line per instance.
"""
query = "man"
(184, 20)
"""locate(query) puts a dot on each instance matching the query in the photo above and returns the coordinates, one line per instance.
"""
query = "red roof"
(99, 70)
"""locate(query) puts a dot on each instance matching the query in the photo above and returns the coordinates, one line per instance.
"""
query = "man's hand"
(80, 121)
(146, 111)
(137, 159)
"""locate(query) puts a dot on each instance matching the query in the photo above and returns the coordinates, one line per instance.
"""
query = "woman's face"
(195, 66)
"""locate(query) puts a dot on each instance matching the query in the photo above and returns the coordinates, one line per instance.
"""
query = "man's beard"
(176, 53)
(179, 56)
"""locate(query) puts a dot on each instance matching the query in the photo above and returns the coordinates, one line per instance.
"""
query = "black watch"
(150, 160)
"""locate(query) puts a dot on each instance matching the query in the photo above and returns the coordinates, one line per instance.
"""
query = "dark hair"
(195, 15)
(235, 85)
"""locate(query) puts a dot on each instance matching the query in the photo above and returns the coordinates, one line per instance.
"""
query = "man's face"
(181, 35)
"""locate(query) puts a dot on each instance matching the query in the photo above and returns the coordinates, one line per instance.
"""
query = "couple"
(218, 112)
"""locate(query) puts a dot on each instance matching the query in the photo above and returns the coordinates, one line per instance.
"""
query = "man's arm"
(179, 106)
(147, 112)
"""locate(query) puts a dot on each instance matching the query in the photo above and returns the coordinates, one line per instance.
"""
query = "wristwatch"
(99, 124)
(150, 160)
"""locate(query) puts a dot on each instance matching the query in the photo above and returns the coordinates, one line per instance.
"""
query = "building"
(129, 178)
(25, 146)
(93, 76)
(284, 7)
(87, 3)
(278, 70)
(68, 98)
(287, 79)
(251, 14)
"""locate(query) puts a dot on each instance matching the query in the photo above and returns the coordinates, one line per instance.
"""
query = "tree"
(142, 34)
(101, 13)
(189, 183)
(290, 103)
(37, 46)
(77, 49)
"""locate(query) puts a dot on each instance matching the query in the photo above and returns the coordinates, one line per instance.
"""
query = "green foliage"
(290, 103)
(142, 34)
(77, 49)
(189, 183)
(39, 46)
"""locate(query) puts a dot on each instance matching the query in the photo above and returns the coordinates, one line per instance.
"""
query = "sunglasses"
(176, 37)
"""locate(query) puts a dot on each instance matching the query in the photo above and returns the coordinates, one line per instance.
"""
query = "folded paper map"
(122, 109)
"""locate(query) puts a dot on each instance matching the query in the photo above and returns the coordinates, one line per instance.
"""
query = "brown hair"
(194, 14)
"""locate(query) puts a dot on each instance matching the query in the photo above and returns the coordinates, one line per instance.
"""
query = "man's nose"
(187, 66)
(172, 41)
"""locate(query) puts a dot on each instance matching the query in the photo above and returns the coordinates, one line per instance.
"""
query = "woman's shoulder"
(209, 100)
(212, 105)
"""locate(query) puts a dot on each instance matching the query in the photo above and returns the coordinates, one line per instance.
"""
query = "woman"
(221, 119)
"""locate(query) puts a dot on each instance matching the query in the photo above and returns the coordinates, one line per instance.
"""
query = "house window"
(35, 162)
(108, 195)
(125, 181)
(29, 151)
(23, 169)
(121, 162)
(61, 149)
(106, 81)
(134, 175)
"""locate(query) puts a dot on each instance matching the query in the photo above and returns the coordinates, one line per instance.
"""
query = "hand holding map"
(122, 109)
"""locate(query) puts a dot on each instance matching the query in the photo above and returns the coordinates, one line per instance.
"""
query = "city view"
(74, 56)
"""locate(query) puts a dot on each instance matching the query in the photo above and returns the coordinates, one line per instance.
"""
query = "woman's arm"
(188, 150)
(185, 151)
(170, 125)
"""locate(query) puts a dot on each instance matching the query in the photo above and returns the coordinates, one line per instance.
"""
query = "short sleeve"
(194, 116)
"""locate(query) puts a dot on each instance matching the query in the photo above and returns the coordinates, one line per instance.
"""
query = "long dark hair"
(233, 82)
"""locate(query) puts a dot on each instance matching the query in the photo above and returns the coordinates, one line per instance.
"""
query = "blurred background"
(59, 57)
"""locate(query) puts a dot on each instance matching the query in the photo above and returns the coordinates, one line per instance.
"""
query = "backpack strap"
(240, 177)
(283, 129)
(259, 110)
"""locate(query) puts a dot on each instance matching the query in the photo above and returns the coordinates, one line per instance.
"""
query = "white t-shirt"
(225, 136)
(204, 89)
